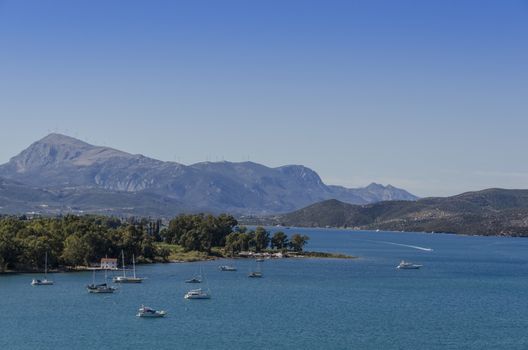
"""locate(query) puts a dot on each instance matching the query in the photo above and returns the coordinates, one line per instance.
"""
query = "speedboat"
(145, 311)
(405, 265)
(44, 282)
(100, 288)
(259, 259)
(195, 279)
(227, 268)
(197, 294)
(255, 274)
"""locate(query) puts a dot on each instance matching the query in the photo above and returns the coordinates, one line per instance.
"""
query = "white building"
(108, 264)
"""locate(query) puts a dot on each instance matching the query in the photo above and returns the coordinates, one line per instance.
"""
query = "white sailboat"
(196, 278)
(45, 281)
(257, 273)
(125, 278)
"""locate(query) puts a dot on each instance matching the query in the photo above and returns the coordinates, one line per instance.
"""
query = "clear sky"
(428, 95)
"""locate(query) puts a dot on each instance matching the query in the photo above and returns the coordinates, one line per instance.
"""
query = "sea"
(471, 293)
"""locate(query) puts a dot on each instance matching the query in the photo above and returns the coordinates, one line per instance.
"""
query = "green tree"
(191, 240)
(279, 240)
(241, 229)
(163, 253)
(33, 250)
(261, 239)
(247, 240)
(297, 242)
(232, 243)
(9, 250)
(223, 225)
(76, 251)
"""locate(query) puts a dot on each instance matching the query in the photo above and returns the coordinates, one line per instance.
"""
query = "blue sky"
(430, 95)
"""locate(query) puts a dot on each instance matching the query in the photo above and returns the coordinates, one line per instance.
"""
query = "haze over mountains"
(62, 174)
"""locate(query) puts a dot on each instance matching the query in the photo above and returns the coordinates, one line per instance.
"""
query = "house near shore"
(108, 264)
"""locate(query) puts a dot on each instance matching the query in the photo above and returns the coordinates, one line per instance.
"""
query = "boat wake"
(408, 245)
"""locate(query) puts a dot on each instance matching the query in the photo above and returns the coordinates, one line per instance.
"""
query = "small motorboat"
(197, 294)
(145, 311)
(227, 268)
(255, 274)
(44, 282)
(405, 265)
(195, 279)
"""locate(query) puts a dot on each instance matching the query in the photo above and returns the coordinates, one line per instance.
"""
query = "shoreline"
(290, 255)
(348, 229)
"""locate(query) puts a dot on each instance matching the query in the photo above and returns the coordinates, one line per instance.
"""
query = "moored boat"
(255, 274)
(405, 265)
(195, 279)
(197, 294)
(125, 278)
(227, 268)
(45, 281)
(148, 312)
(101, 288)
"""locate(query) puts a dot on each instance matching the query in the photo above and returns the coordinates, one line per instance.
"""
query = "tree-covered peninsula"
(72, 241)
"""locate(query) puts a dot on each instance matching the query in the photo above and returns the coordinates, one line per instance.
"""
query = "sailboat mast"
(123, 262)
(134, 264)
(46, 265)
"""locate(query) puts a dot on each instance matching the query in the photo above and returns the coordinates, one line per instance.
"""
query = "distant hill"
(487, 212)
(59, 174)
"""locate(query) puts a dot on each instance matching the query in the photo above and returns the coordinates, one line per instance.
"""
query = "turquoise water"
(472, 293)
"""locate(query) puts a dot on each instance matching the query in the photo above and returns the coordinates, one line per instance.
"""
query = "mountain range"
(59, 174)
(487, 212)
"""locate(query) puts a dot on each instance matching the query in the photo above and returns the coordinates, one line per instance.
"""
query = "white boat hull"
(197, 296)
(155, 314)
(122, 279)
(193, 281)
(411, 267)
(227, 268)
(41, 283)
(100, 289)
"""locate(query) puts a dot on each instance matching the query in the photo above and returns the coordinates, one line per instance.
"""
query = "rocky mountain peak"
(375, 186)
(302, 173)
(57, 150)
(62, 140)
